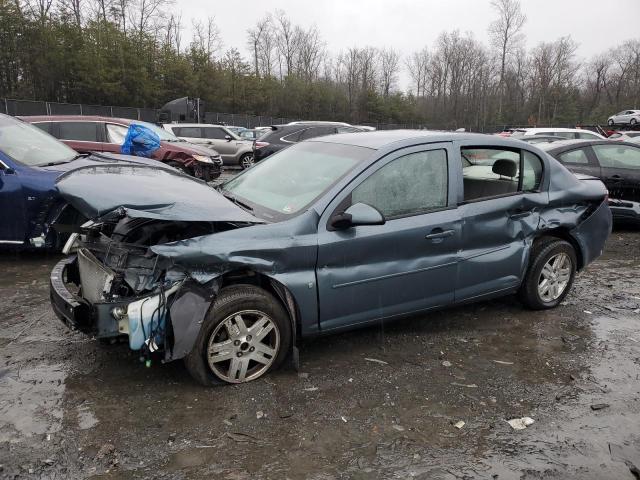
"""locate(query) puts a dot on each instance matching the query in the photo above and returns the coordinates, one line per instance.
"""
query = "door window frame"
(488, 146)
(611, 144)
(342, 200)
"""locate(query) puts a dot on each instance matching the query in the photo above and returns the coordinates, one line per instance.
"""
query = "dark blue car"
(328, 234)
(33, 214)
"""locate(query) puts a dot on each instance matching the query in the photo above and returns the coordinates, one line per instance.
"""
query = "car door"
(216, 136)
(580, 160)
(12, 204)
(83, 137)
(406, 265)
(500, 202)
(620, 166)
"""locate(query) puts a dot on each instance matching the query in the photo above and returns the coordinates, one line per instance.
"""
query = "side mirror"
(228, 138)
(357, 214)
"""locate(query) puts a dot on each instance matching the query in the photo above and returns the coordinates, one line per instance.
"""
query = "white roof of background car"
(303, 122)
(533, 131)
(193, 125)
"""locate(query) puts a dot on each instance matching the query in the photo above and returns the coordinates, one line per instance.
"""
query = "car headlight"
(202, 158)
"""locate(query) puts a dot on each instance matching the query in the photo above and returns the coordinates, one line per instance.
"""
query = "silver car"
(625, 117)
(233, 149)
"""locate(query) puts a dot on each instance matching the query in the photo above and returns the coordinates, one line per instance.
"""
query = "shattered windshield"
(292, 179)
(31, 146)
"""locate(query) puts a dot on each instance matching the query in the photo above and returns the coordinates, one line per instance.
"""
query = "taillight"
(258, 145)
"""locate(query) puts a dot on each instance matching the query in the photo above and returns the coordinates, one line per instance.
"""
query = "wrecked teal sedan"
(326, 235)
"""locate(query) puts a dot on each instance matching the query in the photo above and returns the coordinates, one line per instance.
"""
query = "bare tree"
(505, 34)
(418, 66)
(287, 43)
(389, 66)
(310, 53)
(256, 39)
(207, 39)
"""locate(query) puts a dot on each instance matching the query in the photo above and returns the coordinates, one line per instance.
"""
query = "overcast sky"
(408, 25)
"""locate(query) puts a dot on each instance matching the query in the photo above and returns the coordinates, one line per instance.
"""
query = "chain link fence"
(30, 107)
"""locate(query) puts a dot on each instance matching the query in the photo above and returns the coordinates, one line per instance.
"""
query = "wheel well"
(563, 234)
(275, 288)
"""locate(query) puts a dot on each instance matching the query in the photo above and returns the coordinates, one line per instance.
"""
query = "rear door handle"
(519, 214)
(439, 233)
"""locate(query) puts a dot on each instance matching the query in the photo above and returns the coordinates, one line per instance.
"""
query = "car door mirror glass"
(357, 214)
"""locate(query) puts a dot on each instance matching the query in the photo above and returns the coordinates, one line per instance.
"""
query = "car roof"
(383, 138)
(77, 118)
(554, 129)
(195, 125)
(568, 144)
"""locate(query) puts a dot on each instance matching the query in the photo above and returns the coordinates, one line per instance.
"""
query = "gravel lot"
(380, 402)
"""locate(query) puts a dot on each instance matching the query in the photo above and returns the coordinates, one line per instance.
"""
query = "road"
(380, 402)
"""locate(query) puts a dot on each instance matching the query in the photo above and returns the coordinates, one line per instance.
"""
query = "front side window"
(489, 172)
(409, 185)
(116, 133)
(577, 157)
(618, 156)
(79, 131)
(587, 136)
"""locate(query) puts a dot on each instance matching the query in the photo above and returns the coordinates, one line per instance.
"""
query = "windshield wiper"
(237, 202)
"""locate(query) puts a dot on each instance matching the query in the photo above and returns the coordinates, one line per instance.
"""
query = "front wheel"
(610, 122)
(246, 161)
(246, 334)
(552, 269)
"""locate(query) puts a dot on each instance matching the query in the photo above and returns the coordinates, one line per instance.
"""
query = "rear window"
(193, 132)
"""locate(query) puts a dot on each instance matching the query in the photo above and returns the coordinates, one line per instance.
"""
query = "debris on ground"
(399, 428)
(375, 360)
(599, 406)
(631, 459)
(520, 423)
(459, 424)
(259, 414)
(503, 362)
(311, 389)
(469, 385)
(446, 363)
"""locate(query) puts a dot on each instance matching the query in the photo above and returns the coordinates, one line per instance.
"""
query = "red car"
(106, 134)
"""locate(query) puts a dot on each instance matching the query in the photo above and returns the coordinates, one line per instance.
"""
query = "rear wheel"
(552, 269)
(246, 334)
(633, 121)
(246, 161)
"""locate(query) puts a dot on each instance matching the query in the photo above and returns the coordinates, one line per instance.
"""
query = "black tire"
(246, 160)
(543, 250)
(230, 301)
(611, 122)
(633, 122)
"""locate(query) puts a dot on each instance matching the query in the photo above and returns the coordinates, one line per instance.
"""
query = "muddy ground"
(374, 403)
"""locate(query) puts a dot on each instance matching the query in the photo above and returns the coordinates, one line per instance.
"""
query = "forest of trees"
(133, 53)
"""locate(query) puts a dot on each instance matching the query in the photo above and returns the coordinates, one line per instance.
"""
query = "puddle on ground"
(31, 402)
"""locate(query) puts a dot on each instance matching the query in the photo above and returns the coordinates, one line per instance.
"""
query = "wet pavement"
(381, 402)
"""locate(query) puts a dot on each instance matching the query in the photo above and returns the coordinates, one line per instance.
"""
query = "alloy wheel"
(247, 161)
(243, 346)
(554, 277)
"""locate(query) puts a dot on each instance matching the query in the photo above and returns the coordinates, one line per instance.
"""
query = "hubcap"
(554, 277)
(247, 161)
(243, 346)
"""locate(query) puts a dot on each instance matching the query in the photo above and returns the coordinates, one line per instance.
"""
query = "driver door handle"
(439, 233)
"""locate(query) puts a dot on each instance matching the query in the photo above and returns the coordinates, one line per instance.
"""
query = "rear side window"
(587, 136)
(578, 157)
(214, 133)
(489, 172)
(193, 132)
(44, 126)
(315, 132)
(409, 185)
(80, 131)
(618, 156)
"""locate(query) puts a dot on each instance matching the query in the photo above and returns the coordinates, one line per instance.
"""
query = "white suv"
(568, 133)
(233, 149)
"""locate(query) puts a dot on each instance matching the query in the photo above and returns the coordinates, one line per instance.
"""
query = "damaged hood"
(146, 191)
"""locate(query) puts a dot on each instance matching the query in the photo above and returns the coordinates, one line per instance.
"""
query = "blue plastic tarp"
(140, 141)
